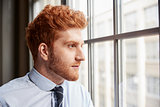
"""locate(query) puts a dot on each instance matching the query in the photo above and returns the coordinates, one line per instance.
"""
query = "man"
(55, 41)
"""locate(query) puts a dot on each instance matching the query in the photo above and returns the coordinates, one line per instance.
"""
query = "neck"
(49, 74)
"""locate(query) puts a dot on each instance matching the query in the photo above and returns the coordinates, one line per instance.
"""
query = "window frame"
(117, 37)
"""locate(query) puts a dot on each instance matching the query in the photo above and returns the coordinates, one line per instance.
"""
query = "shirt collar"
(42, 82)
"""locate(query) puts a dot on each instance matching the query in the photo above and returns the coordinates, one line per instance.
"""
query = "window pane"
(151, 16)
(40, 4)
(83, 72)
(139, 15)
(104, 76)
(140, 79)
(103, 18)
(79, 5)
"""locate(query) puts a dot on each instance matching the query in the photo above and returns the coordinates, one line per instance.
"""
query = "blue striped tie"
(58, 95)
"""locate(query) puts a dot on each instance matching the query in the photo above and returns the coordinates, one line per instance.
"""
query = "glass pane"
(140, 78)
(103, 18)
(139, 15)
(40, 4)
(80, 5)
(83, 72)
(104, 76)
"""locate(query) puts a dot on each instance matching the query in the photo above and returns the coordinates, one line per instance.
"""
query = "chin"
(72, 78)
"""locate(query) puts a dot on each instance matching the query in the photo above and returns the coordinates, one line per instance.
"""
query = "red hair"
(51, 19)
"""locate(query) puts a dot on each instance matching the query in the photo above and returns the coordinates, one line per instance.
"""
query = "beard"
(61, 68)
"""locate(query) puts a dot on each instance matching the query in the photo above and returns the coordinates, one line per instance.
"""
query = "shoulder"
(15, 84)
(77, 88)
(75, 85)
(78, 92)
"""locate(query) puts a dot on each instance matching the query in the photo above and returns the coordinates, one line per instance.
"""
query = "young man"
(55, 41)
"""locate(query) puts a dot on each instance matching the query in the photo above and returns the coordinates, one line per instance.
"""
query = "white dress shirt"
(33, 90)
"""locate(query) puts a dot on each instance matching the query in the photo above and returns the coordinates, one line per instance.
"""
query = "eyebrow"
(66, 42)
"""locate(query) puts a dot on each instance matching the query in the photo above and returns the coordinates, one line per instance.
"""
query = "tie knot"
(58, 89)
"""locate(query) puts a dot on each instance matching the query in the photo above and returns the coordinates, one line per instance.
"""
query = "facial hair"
(63, 69)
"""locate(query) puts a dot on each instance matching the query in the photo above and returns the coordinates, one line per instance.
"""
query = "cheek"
(65, 55)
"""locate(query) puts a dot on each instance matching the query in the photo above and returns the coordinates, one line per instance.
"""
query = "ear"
(43, 51)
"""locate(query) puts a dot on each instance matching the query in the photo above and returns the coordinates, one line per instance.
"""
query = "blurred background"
(121, 50)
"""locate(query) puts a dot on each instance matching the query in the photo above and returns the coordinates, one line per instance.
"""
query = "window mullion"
(159, 31)
(90, 28)
(116, 69)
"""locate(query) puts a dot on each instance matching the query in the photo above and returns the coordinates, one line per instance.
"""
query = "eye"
(71, 45)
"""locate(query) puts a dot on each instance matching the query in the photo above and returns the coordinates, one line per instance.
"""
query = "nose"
(80, 55)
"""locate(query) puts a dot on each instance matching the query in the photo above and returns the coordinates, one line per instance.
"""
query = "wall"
(14, 61)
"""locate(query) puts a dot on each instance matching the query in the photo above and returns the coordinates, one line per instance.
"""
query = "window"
(149, 20)
(103, 68)
(132, 82)
(130, 22)
(131, 105)
(152, 83)
(138, 15)
(131, 52)
(126, 1)
(139, 73)
(102, 12)
(152, 56)
(100, 28)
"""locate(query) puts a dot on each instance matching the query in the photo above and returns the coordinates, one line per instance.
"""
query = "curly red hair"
(51, 19)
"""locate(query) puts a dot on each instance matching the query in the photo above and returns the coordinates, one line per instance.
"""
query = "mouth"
(76, 66)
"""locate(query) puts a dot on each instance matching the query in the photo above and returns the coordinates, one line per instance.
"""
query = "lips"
(75, 65)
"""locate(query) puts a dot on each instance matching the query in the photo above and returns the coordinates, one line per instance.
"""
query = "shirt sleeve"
(3, 103)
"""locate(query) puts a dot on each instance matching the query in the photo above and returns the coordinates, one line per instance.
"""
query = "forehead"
(73, 34)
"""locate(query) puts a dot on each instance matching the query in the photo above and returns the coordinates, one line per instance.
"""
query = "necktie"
(58, 95)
